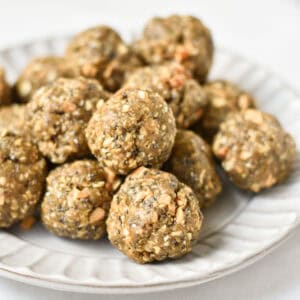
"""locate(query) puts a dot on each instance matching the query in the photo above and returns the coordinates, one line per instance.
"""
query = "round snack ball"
(22, 178)
(254, 149)
(154, 217)
(183, 94)
(223, 98)
(77, 200)
(5, 90)
(133, 128)
(184, 39)
(192, 163)
(39, 72)
(58, 115)
(12, 118)
(100, 53)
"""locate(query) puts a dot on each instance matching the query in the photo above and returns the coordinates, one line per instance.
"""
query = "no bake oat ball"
(153, 217)
(184, 39)
(58, 115)
(223, 98)
(133, 128)
(174, 83)
(77, 200)
(5, 90)
(12, 118)
(100, 53)
(254, 149)
(22, 178)
(39, 72)
(192, 163)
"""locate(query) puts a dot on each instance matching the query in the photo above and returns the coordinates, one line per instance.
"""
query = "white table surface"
(267, 32)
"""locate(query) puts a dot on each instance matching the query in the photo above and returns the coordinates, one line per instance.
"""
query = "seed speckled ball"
(100, 53)
(22, 178)
(133, 128)
(192, 163)
(184, 39)
(39, 72)
(154, 217)
(58, 115)
(77, 200)
(12, 118)
(254, 149)
(5, 90)
(173, 82)
(223, 98)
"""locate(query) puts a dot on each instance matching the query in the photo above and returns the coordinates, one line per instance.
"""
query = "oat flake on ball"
(58, 115)
(154, 217)
(133, 128)
(255, 151)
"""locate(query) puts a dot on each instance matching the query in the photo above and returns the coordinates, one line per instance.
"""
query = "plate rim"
(151, 288)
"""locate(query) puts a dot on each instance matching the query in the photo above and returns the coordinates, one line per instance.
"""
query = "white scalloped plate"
(239, 229)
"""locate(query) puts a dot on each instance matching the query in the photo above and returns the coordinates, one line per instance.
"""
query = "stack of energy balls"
(122, 139)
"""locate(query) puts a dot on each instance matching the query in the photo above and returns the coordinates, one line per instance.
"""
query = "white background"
(267, 32)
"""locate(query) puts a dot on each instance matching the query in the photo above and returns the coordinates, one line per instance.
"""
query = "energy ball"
(5, 90)
(12, 118)
(192, 163)
(133, 128)
(184, 39)
(22, 178)
(183, 94)
(254, 149)
(58, 115)
(154, 217)
(77, 200)
(223, 98)
(100, 53)
(39, 72)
